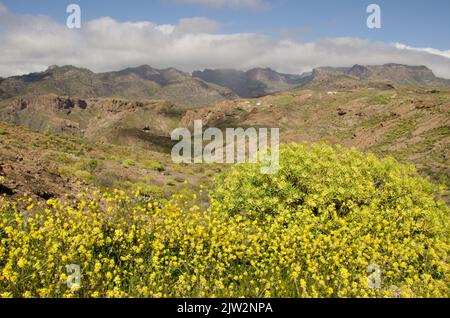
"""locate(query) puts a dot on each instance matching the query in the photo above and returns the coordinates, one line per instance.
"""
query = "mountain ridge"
(210, 85)
(364, 76)
(253, 83)
(143, 82)
(259, 82)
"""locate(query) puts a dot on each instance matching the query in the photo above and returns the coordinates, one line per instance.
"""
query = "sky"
(290, 36)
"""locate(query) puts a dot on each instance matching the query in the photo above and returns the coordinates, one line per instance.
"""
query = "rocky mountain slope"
(381, 76)
(260, 82)
(133, 83)
(253, 83)
(138, 122)
(46, 165)
(208, 86)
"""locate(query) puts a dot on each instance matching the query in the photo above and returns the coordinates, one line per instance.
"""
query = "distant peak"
(144, 67)
(395, 65)
(358, 70)
(359, 66)
(52, 67)
(405, 66)
(174, 70)
(65, 68)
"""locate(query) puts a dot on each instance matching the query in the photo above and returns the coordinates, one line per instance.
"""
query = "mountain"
(143, 82)
(360, 76)
(410, 124)
(253, 83)
(208, 86)
(263, 81)
(145, 123)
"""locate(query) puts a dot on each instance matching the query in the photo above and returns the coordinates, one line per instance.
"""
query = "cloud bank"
(32, 43)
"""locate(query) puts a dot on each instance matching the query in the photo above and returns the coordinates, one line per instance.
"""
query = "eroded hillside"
(410, 123)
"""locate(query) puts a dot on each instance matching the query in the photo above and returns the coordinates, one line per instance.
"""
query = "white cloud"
(31, 43)
(428, 50)
(218, 4)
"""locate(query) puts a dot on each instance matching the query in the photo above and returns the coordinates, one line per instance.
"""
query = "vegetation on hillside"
(50, 165)
(311, 230)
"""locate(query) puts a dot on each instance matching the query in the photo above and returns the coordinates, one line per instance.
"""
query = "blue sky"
(291, 36)
(415, 22)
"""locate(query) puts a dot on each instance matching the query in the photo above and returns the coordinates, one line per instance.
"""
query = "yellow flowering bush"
(303, 232)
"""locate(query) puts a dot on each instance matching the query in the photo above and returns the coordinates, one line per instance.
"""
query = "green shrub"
(64, 158)
(327, 179)
(154, 165)
(379, 100)
(128, 163)
(171, 182)
(91, 165)
(84, 175)
(149, 190)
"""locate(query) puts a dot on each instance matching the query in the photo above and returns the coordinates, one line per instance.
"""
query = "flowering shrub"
(330, 180)
(311, 230)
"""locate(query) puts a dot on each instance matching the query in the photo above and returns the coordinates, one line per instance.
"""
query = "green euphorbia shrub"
(332, 181)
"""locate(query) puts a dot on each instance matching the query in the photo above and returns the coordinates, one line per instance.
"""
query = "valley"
(410, 123)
